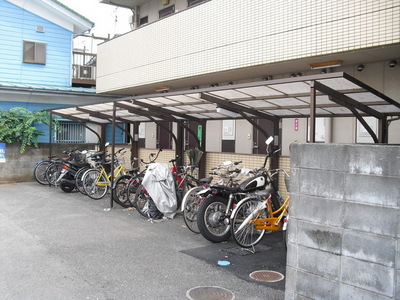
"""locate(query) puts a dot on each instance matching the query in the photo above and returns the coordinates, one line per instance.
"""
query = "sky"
(108, 19)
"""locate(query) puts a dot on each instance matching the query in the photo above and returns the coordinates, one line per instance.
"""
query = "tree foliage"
(17, 125)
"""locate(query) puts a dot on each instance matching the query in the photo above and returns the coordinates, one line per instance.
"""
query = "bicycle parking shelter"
(314, 96)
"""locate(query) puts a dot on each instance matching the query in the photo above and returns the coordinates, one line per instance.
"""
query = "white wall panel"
(223, 35)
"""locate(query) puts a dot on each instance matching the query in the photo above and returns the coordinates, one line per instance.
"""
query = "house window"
(166, 11)
(143, 20)
(71, 132)
(34, 52)
(195, 2)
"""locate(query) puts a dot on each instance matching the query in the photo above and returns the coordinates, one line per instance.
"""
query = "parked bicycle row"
(218, 207)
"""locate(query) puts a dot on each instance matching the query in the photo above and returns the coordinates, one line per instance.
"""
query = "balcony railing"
(84, 69)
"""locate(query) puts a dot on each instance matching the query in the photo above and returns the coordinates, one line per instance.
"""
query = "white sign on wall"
(2, 152)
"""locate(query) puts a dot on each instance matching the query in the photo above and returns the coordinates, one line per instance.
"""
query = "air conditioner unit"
(85, 72)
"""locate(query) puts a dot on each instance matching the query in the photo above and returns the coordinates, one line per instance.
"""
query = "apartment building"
(181, 45)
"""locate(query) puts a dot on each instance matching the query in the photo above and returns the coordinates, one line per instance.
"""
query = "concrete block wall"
(344, 228)
(19, 167)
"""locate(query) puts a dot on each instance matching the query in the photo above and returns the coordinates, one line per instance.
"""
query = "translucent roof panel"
(292, 88)
(231, 94)
(288, 101)
(339, 84)
(365, 97)
(257, 104)
(260, 91)
(279, 98)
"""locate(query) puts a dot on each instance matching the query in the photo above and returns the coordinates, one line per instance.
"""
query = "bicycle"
(216, 209)
(182, 179)
(192, 198)
(255, 214)
(53, 171)
(125, 187)
(39, 171)
(97, 181)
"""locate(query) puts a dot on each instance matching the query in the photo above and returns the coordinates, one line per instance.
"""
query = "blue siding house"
(36, 58)
(19, 26)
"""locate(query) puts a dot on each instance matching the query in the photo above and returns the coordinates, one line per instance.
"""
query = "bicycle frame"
(119, 170)
(272, 223)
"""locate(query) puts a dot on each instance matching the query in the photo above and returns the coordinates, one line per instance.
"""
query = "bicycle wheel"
(190, 207)
(53, 171)
(247, 236)
(78, 179)
(133, 186)
(39, 172)
(95, 184)
(142, 199)
(211, 219)
(120, 191)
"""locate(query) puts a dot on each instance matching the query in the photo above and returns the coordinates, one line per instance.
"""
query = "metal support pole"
(112, 155)
(202, 163)
(51, 133)
(135, 145)
(180, 145)
(313, 105)
(383, 130)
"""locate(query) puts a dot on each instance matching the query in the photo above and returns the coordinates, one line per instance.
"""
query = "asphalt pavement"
(57, 245)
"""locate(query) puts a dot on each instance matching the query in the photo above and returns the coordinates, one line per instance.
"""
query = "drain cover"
(209, 293)
(267, 276)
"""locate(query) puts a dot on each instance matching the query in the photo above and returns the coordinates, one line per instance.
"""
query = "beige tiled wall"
(213, 159)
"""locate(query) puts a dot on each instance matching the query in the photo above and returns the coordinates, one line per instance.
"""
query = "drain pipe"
(328, 130)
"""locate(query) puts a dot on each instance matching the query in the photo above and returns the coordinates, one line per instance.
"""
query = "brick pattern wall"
(19, 167)
(344, 224)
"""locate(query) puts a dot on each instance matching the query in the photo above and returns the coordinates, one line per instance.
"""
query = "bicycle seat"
(206, 180)
(133, 171)
(225, 188)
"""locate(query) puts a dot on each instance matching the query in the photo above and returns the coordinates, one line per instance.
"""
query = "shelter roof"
(336, 94)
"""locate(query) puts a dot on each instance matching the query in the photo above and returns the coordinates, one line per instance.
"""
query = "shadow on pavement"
(270, 254)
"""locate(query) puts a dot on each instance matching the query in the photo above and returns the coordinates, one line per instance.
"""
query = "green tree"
(17, 125)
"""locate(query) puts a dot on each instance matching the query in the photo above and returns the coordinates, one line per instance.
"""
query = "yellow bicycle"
(255, 215)
(97, 181)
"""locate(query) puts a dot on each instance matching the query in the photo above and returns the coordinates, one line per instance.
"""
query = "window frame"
(195, 2)
(39, 50)
(165, 12)
(69, 131)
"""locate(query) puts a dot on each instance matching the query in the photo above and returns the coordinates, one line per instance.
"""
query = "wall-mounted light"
(326, 64)
(360, 68)
(392, 64)
(161, 89)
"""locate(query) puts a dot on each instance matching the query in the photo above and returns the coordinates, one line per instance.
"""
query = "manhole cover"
(209, 293)
(267, 276)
